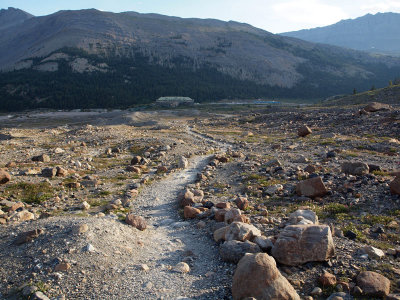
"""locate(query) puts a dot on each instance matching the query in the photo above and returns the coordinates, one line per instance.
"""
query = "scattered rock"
(395, 186)
(219, 234)
(231, 214)
(373, 252)
(241, 232)
(79, 229)
(233, 251)
(4, 177)
(136, 221)
(182, 162)
(373, 284)
(264, 243)
(313, 187)
(257, 276)
(304, 131)
(136, 160)
(41, 158)
(85, 205)
(298, 244)
(327, 279)
(182, 267)
(190, 212)
(62, 267)
(242, 203)
(49, 172)
(376, 106)
(28, 236)
(355, 168)
(298, 217)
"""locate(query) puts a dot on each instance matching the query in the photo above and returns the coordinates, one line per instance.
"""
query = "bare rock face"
(4, 177)
(313, 187)
(377, 106)
(257, 276)
(241, 232)
(373, 284)
(233, 251)
(304, 131)
(136, 221)
(355, 168)
(298, 244)
(395, 186)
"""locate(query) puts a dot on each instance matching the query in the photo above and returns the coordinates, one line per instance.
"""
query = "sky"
(275, 16)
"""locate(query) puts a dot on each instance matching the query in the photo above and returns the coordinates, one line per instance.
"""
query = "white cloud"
(309, 13)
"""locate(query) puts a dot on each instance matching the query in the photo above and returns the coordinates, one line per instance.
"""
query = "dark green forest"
(133, 80)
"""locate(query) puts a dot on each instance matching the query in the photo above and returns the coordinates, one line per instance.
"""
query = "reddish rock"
(304, 131)
(162, 169)
(313, 187)
(220, 215)
(327, 279)
(4, 177)
(223, 205)
(190, 212)
(395, 186)
(62, 267)
(257, 276)
(373, 284)
(136, 221)
(241, 218)
(242, 203)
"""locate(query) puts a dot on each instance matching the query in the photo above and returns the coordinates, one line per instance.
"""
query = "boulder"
(257, 276)
(190, 212)
(42, 158)
(304, 131)
(242, 203)
(373, 284)
(264, 243)
(219, 234)
(23, 216)
(182, 162)
(61, 172)
(49, 172)
(355, 168)
(395, 186)
(313, 187)
(4, 177)
(376, 106)
(233, 251)
(136, 221)
(299, 244)
(220, 215)
(186, 198)
(136, 160)
(373, 252)
(241, 232)
(223, 205)
(298, 217)
(231, 214)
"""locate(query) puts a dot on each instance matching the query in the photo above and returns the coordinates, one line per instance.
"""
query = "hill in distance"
(373, 33)
(90, 58)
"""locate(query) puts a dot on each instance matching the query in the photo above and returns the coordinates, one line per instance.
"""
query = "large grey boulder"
(241, 232)
(233, 251)
(355, 168)
(257, 276)
(373, 284)
(299, 244)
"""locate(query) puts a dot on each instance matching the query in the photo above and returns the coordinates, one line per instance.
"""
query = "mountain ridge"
(373, 33)
(211, 59)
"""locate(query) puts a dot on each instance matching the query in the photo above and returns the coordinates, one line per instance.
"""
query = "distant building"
(174, 101)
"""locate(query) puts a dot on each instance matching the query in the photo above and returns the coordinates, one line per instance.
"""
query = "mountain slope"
(11, 16)
(68, 59)
(374, 33)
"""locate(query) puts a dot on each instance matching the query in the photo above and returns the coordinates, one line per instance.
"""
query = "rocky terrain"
(281, 202)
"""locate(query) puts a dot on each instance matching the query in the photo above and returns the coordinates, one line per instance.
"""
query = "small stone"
(85, 205)
(373, 252)
(327, 279)
(79, 229)
(223, 205)
(4, 177)
(355, 168)
(242, 203)
(28, 236)
(89, 248)
(39, 296)
(62, 267)
(304, 131)
(29, 290)
(316, 291)
(182, 267)
(190, 212)
(41, 158)
(395, 186)
(313, 187)
(144, 267)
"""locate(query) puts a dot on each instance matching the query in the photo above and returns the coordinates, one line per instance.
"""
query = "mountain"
(90, 58)
(374, 33)
(11, 16)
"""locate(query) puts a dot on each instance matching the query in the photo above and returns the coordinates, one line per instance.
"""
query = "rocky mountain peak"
(12, 16)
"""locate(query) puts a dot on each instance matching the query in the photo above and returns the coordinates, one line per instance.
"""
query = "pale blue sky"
(272, 15)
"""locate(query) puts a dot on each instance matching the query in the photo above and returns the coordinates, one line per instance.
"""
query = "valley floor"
(66, 216)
